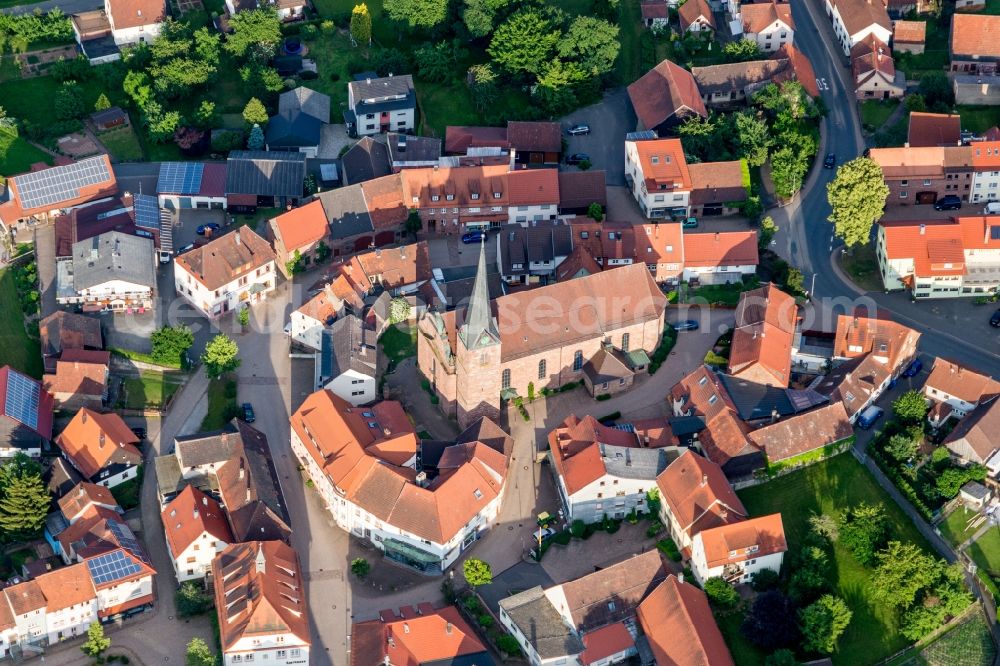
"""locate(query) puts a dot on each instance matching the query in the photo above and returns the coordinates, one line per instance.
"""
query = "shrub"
(485, 620)
(765, 579)
(360, 567)
(722, 595)
(603, 397)
(471, 604)
(669, 548)
(190, 600)
(578, 528)
(654, 528)
(508, 645)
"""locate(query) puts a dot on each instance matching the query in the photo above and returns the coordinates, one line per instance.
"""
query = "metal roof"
(266, 173)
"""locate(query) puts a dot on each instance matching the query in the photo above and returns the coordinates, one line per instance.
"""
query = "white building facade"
(249, 288)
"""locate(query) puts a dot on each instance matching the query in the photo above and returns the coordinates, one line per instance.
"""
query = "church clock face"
(484, 340)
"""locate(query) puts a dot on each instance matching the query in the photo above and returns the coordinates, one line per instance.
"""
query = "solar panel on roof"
(624, 427)
(22, 399)
(112, 566)
(147, 211)
(126, 539)
(180, 177)
(53, 186)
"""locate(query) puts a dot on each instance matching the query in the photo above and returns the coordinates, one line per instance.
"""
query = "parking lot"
(609, 120)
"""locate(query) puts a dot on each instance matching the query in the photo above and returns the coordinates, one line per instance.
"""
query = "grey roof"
(346, 211)
(760, 401)
(307, 100)
(542, 625)
(113, 256)
(975, 489)
(344, 347)
(390, 93)
(405, 149)
(541, 243)
(629, 462)
(366, 160)
(293, 129)
(479, 329)
(206, 448)
(271, 173)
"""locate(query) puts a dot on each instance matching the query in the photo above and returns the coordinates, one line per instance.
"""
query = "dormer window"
(670, 248)
(435, 197)
(714, 399)
(416, 199)
(584, 234)
(475, 196)
(496, 195)
(450, 197)
(654, 159)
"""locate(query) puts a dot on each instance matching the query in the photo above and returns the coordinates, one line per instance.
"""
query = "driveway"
(610, 120)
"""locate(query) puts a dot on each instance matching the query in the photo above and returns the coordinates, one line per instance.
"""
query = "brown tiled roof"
(759, 17)
(534, 136)
(665, 91)
(736, 76)
(579, 189)
(67, 587)
(93, 441)
(872, 55)
(391, 268)
(700, 393)
(680, 628)
(749, 539)
(535, 186)
(458, 139)
(978, 429)
(860, 14)
(191, 514)
(576, 449)
(698, 494)
(440, 635)
(975, 35)
(135, 13)
(762, 338)
(804, 432)
(722, 248)
(693, 10)
(960, 382)
(882, 337)
(654, 10)
(934, 129)
(909, 32)
(25, 597)
(716, 182)
(626, 583)
(801, 68)
(66, 330)
(227, 258)
(579, 261)
(76, 501)
(82, 379)
(301, 227)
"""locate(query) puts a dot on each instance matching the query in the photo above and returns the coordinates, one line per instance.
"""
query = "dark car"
(474, 237)
(186, 248)
(578, 130)
(830, 161)
(914, 368)
(139, 432)
(248, 414)
(211, 227)
(686, 325)
(948, 202)
(577, 158)
(995, 319)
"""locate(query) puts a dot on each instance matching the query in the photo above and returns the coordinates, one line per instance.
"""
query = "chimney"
(704, 479)
(447, 628)
(236, 237)
(774, 414)
(421, 479)
(248, 494)
(923, 229)
(368, 80)
(680, 578)
(195, 514)
(386, 432)
(242, 467)
(204, 501)
(406, 628)
(100, 440)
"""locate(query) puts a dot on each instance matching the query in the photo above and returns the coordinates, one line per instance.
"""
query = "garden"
(149, 390)
(19, 341)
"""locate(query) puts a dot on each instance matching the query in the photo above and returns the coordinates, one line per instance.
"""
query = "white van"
(992, 208)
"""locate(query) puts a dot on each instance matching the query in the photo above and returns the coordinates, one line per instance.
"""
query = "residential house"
(300, 236)
(112, 271)
(656, 172)
(535, 143)
(679, 626)
(60, 477)
(25, 414)
(408, 152)
(655, 14)
(986, 171)
(579, 190)
(192, 185)
(769, 24)
(909, 36)
(717, 188)
(738, 551)
(605, 471)
(761, 349)
(924, 175)
(260, 601)
(854, 20)
(348, 360)
(135, 21)
(940, 258)
(366, 160)
(974, 437)
(351, 227)
(585, 620)
(421, 503)
(80, 379)
(954, 391)
(826, 429)
(379, 105)
(196, 531)
(665, 96)
(935, 129)
(720, 257)
(695, 495)
(974, 47)
(40, 194)
(424, 636)
(298, 125)
(696, 16)
(135, 215)
(102, 447)
(875, 73)
(230, 272)
(527, 255)
(611, 371)
(92, 31)
(63, 330)
(49, 609)
(466, 140)
(268, 179)
(659, 245)
(735, 83)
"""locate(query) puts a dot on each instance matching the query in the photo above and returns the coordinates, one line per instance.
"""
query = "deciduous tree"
(198, 654)
(902, 447)
(857, 198)
(256, 34)
(417, 13)
(592, 43)
(68, 101)
(770, 624)
(524, 43)
(863, 530)
(741, 50)
(722, 595)
(788, 170)
(477, 572)
(170, 343)
(910, 407)
(221, 356)
(754, 138)
(97, 643)
(902, 571)
(822, 623)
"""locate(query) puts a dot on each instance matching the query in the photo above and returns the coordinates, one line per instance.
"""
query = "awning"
(410, 551)
(257, 287)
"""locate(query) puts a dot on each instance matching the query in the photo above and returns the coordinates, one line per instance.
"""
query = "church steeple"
(479, 329)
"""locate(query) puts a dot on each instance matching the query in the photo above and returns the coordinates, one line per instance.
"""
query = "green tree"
(256, 139)
(161, 123)
(555, 90)
(477, 572)
(361, 25)
(766, 232)
(24, 503)
(915, 103)
(863, 530)
(857, 198)
(822, 623)
(902, 447)
(97, 643)
(765, 579)
(524, 43)
(943, 600)
(771, 624)
(653, 502)
(483, 86)
(205, 116)
(436, 63)
(360, 567)
(902, 571)
(782, 657)
(910, 407)
(937, 91)
(399, 310)
(951, 480)
(722, 595)
(809, 575)
(417, 13)
(592, 43)
(190, 599)
(170, 343)
(741, 50)
(479, 15)
(413, 223)
(508, 645)
(244, 316)
(595, 212)
(137, 86)
(254, 113)
(68, 101)
(754, 138)
(198, 654)
(256, 35)
(102, 103)
(221, 356)
(322, 251)
(788, 170)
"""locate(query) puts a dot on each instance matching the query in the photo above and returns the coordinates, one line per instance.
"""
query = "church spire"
(479, 329)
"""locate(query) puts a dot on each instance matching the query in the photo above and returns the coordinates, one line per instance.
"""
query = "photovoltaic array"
(22, 399)
(147, 211)
(112, 566)
(180, 177)
(53, 186)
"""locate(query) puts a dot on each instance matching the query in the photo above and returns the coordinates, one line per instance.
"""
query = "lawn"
(829, 487)
(17, 155)
(875, 113)
(953, 528)
(985, 551)
(222, 407)
(17, 348)
(23, 98)
(127, 494)
(150, 389)
(978, 118)
(862, 266)
(122, 143)
(332, 52)
(727, 295)
(936, 52)
(629, 66)
(399, 342)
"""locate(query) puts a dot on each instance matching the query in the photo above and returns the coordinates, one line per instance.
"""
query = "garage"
(926, 197)
(385, 238)
(362, 243)
(708, 210)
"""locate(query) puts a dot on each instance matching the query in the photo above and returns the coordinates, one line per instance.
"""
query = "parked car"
(868, 417)
(544, 533)
(288, 328)
(690, 223)
(914, 368)
(474, 237)
(189, 246)
(830, 161)
(248, 414)
(948, 202)
(209, 228)
(995, 319)
(992, 208)
(578, 130)
(165, 256)
(686, 325)
(577, 158)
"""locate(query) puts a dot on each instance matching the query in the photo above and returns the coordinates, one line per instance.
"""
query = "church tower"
(477, 355)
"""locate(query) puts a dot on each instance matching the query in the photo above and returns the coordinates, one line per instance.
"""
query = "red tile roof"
(909, 32)
(975, 35)
(935, 129)
(228, 257)
(680, 628)
(301, 227)
(717, 182)
(191, 514)
(665, 91)
(960, 382)
(606, 642)
(134, 13)
(937, 247)
(801, 67)
(858, 15)
(85, 494)
(698, 495)
(77, 378)
(803, 433)
(654, 10)
(458, 139)
(534, 136)
(663, 164)
(576, 449)
(67, 587)
(534, 186)
(761, 349)
(985, 154)
(759, 17)
(692, 11)
(749, 539)
(700, 393)
(411, 640)
(93, 441)
(723, 248)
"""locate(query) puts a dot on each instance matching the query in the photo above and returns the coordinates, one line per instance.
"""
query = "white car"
(544, 533)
